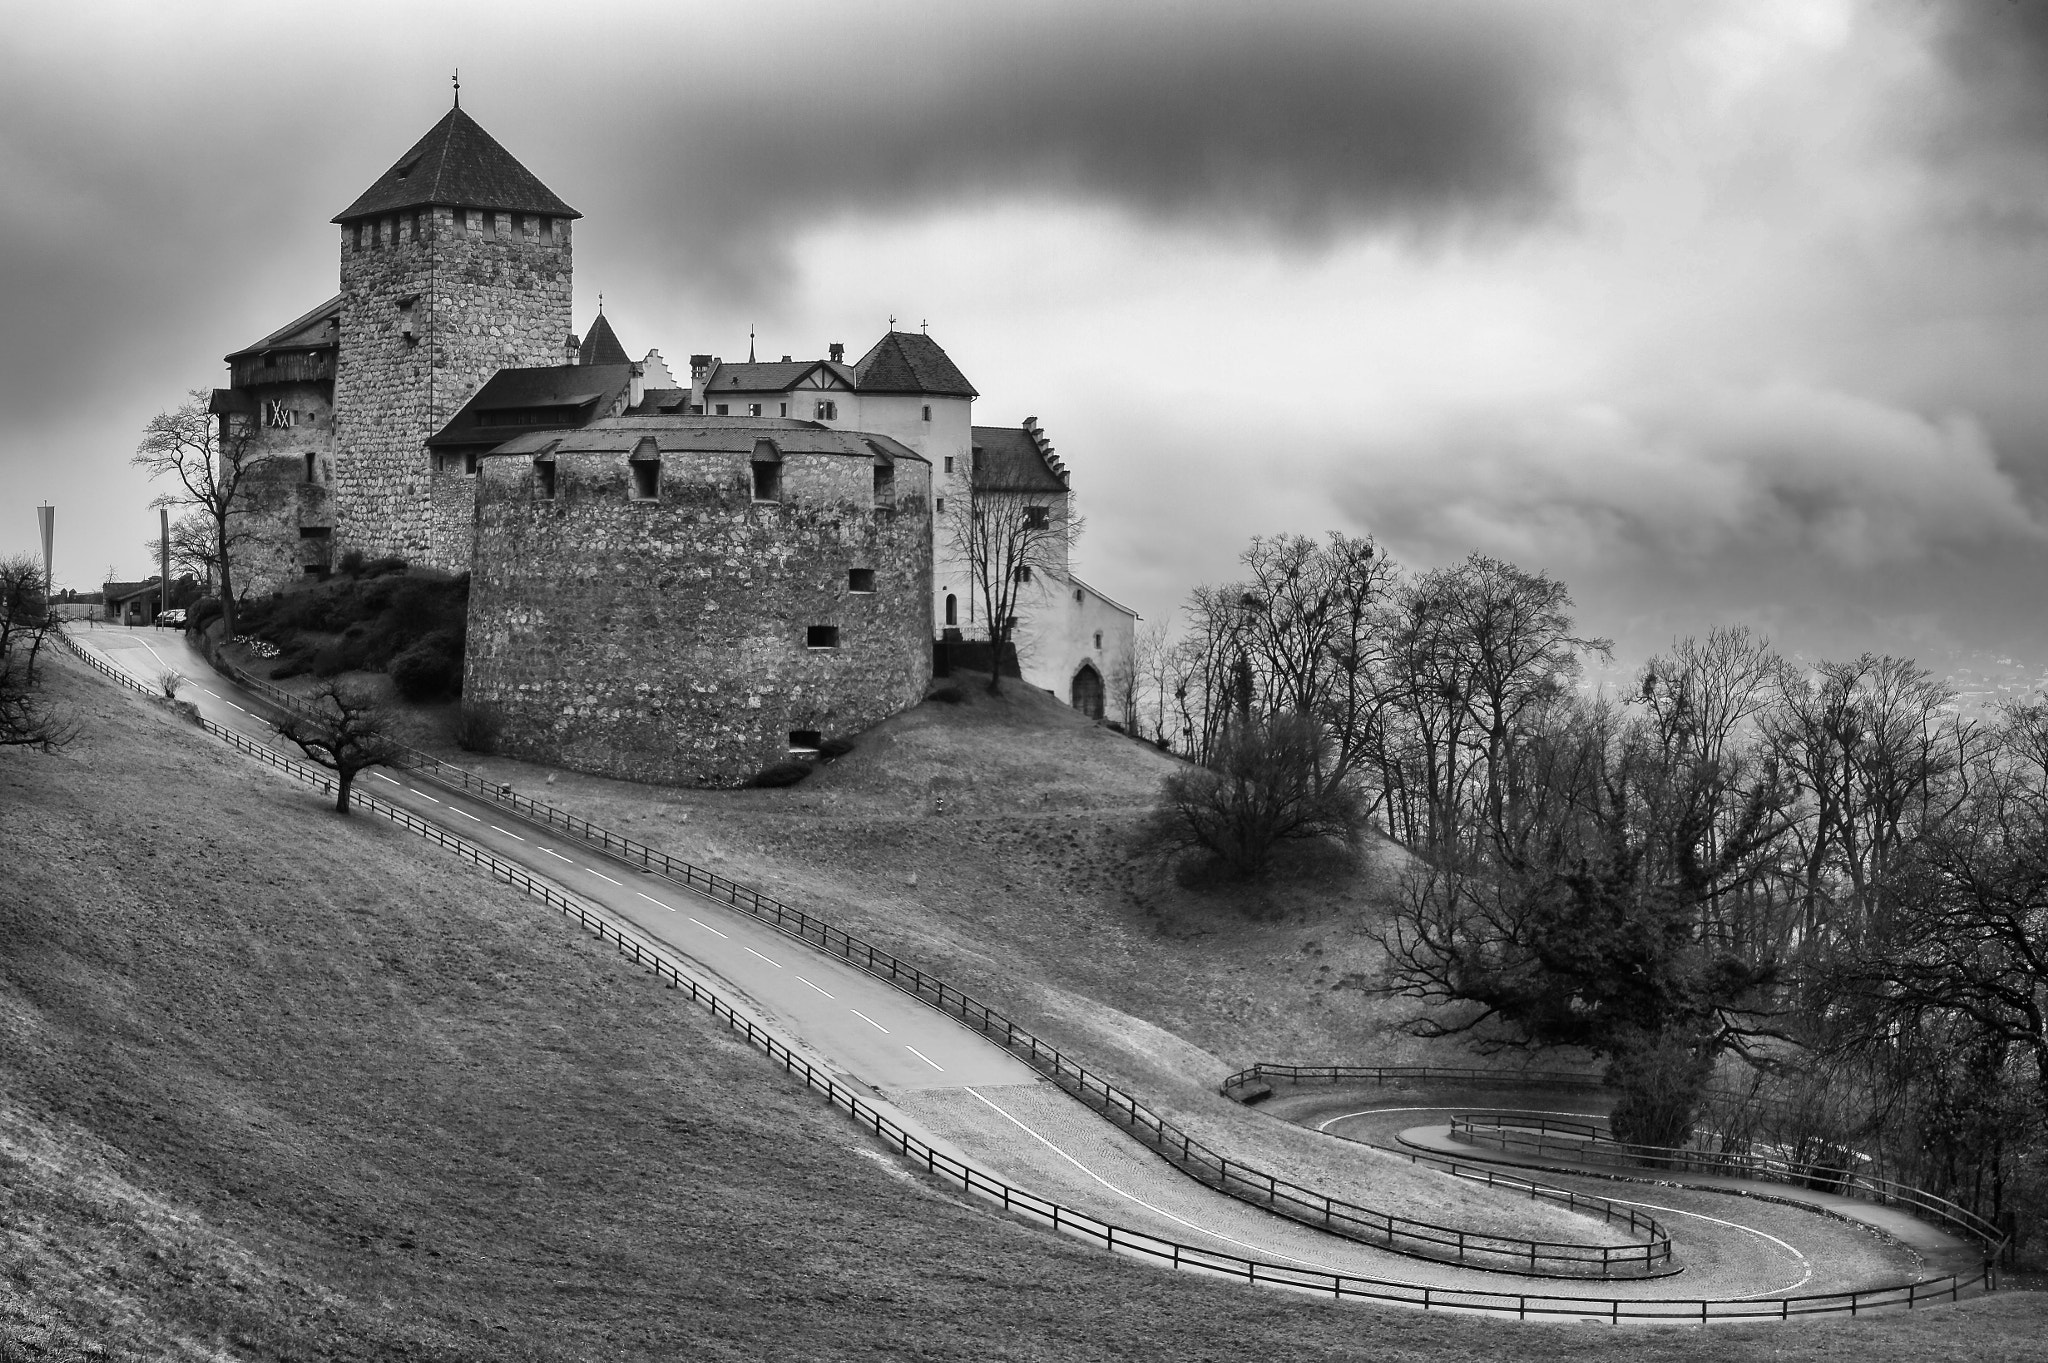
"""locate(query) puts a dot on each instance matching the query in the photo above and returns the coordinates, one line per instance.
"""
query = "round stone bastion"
(688, 600)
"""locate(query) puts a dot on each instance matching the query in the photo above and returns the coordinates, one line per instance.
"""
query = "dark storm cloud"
(1294, 125)
(1988, 138)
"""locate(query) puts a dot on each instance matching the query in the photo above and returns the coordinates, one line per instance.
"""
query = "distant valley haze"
(1721, 311)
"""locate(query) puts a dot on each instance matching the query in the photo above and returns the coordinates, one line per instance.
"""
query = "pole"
(163, 591)
(46, 520)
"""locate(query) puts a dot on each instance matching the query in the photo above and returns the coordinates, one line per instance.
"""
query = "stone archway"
(1087, 693)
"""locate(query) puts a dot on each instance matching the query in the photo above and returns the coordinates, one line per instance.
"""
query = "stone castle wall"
(668, 639)
(452, 520)
(487, 293)
(279, 505)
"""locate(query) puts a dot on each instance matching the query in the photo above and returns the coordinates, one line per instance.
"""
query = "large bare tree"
(208, 460)
(343, 730)
(1009, 540)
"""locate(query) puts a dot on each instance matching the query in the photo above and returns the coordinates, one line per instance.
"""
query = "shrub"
(203, 612)
(293, 664)
(382, 567)
(333, 658)
(780, 774)
(1264, 788)
(427, 670)
(352, 562)
(478, 729)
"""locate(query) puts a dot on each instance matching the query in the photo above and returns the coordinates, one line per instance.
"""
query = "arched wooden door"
(1087, 692)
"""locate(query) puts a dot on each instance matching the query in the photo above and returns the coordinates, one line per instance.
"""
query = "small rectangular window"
(544, 478)
(785, 409)
(358, 236)
(312, 470)
(828, 411)
(927, 411)
(767, 481)
(822, 636)
(753, 409)
(805, 741)
(1023, 572)
(949, 463)
(646, 479)
(1035, 517)
(720, 410)
(885, 485)
(940, 505)
(860, 579)
(469, 462)
(518, 224)
(547, 229)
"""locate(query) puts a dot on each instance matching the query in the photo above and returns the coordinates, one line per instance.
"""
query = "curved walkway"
(974, 1097)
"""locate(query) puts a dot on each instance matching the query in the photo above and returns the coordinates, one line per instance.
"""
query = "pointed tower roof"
(911, 362)
(458, 164)
(602, 346)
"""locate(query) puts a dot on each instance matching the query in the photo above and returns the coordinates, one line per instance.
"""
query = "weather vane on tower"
(457, 78)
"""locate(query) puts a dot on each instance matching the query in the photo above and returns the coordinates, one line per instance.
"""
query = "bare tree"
(344, 733)
(209, 461)
(1125, 684)
(26, 621)
(195, 548)
(1260, 789)
(1010, 540)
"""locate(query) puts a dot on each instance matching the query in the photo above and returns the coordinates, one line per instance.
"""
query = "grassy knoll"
(278, 1085)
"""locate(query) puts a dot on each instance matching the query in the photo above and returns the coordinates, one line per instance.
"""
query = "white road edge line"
(214, 694)
(927, 1059)
(238, 707)
(600, 875)
(378, 774)
(707, 927)
(421, 793)
(869, 1021)
(465, 814)
(656, 902)
(508, 833)
(801, 980)
(769, 959)
(556, 855)
(1132, 1197)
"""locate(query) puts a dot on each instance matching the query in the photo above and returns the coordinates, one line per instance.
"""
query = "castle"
(676, 583)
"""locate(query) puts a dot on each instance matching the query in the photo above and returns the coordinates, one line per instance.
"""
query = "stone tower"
(454, 265)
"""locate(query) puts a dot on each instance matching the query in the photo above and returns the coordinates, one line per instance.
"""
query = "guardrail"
(1112, 1237)
(1394, 1074)
(1652, 1256)
(1576, 1141)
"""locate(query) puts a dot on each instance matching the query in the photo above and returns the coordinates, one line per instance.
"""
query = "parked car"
(171, 619)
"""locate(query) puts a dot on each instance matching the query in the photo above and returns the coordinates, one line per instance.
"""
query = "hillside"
(279, 1085)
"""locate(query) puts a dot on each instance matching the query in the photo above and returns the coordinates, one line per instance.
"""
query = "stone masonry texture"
(482, 291)
(666, 639)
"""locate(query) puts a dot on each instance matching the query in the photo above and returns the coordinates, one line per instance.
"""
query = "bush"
(203, 612)
(295, 663)
(352, 563)
(333, 658)
(780, 774)
(1262, 789)
(427, 670)
(478, 729)
(383, 567)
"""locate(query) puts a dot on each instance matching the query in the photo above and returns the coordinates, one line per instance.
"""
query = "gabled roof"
(557, 397)
(1011, 459)
(113, 592)
(602, 346)
(911, 362)
(712, 435)
(316, 330)
(460, 165)
(657, 400)
(771, 376)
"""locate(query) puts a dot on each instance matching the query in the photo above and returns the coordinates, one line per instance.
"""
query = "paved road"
(974, 1098)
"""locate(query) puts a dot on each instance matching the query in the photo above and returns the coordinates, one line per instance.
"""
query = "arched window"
(952, 609)
(1087, 691)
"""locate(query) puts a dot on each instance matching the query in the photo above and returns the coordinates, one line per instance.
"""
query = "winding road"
(976, 1101)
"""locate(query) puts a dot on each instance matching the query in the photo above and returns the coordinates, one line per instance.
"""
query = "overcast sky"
(1721, 310)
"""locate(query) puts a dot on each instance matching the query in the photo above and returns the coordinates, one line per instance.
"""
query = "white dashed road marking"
(421, 793)
(769, 959)
(801, 980)
(707, 927)
(465, 814)
(927, 1059)
(378, 774)
(656, 902)
(869, 1021)
(600, 875)
(556, 855)
(508, 833)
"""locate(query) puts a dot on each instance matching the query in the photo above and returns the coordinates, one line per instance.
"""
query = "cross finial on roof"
(457, 78)
(892, 321)
(925, 326)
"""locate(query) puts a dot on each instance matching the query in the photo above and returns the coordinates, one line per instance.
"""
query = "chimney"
(636, 387)
(571, 348)
(700, 369)
(838, 349)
